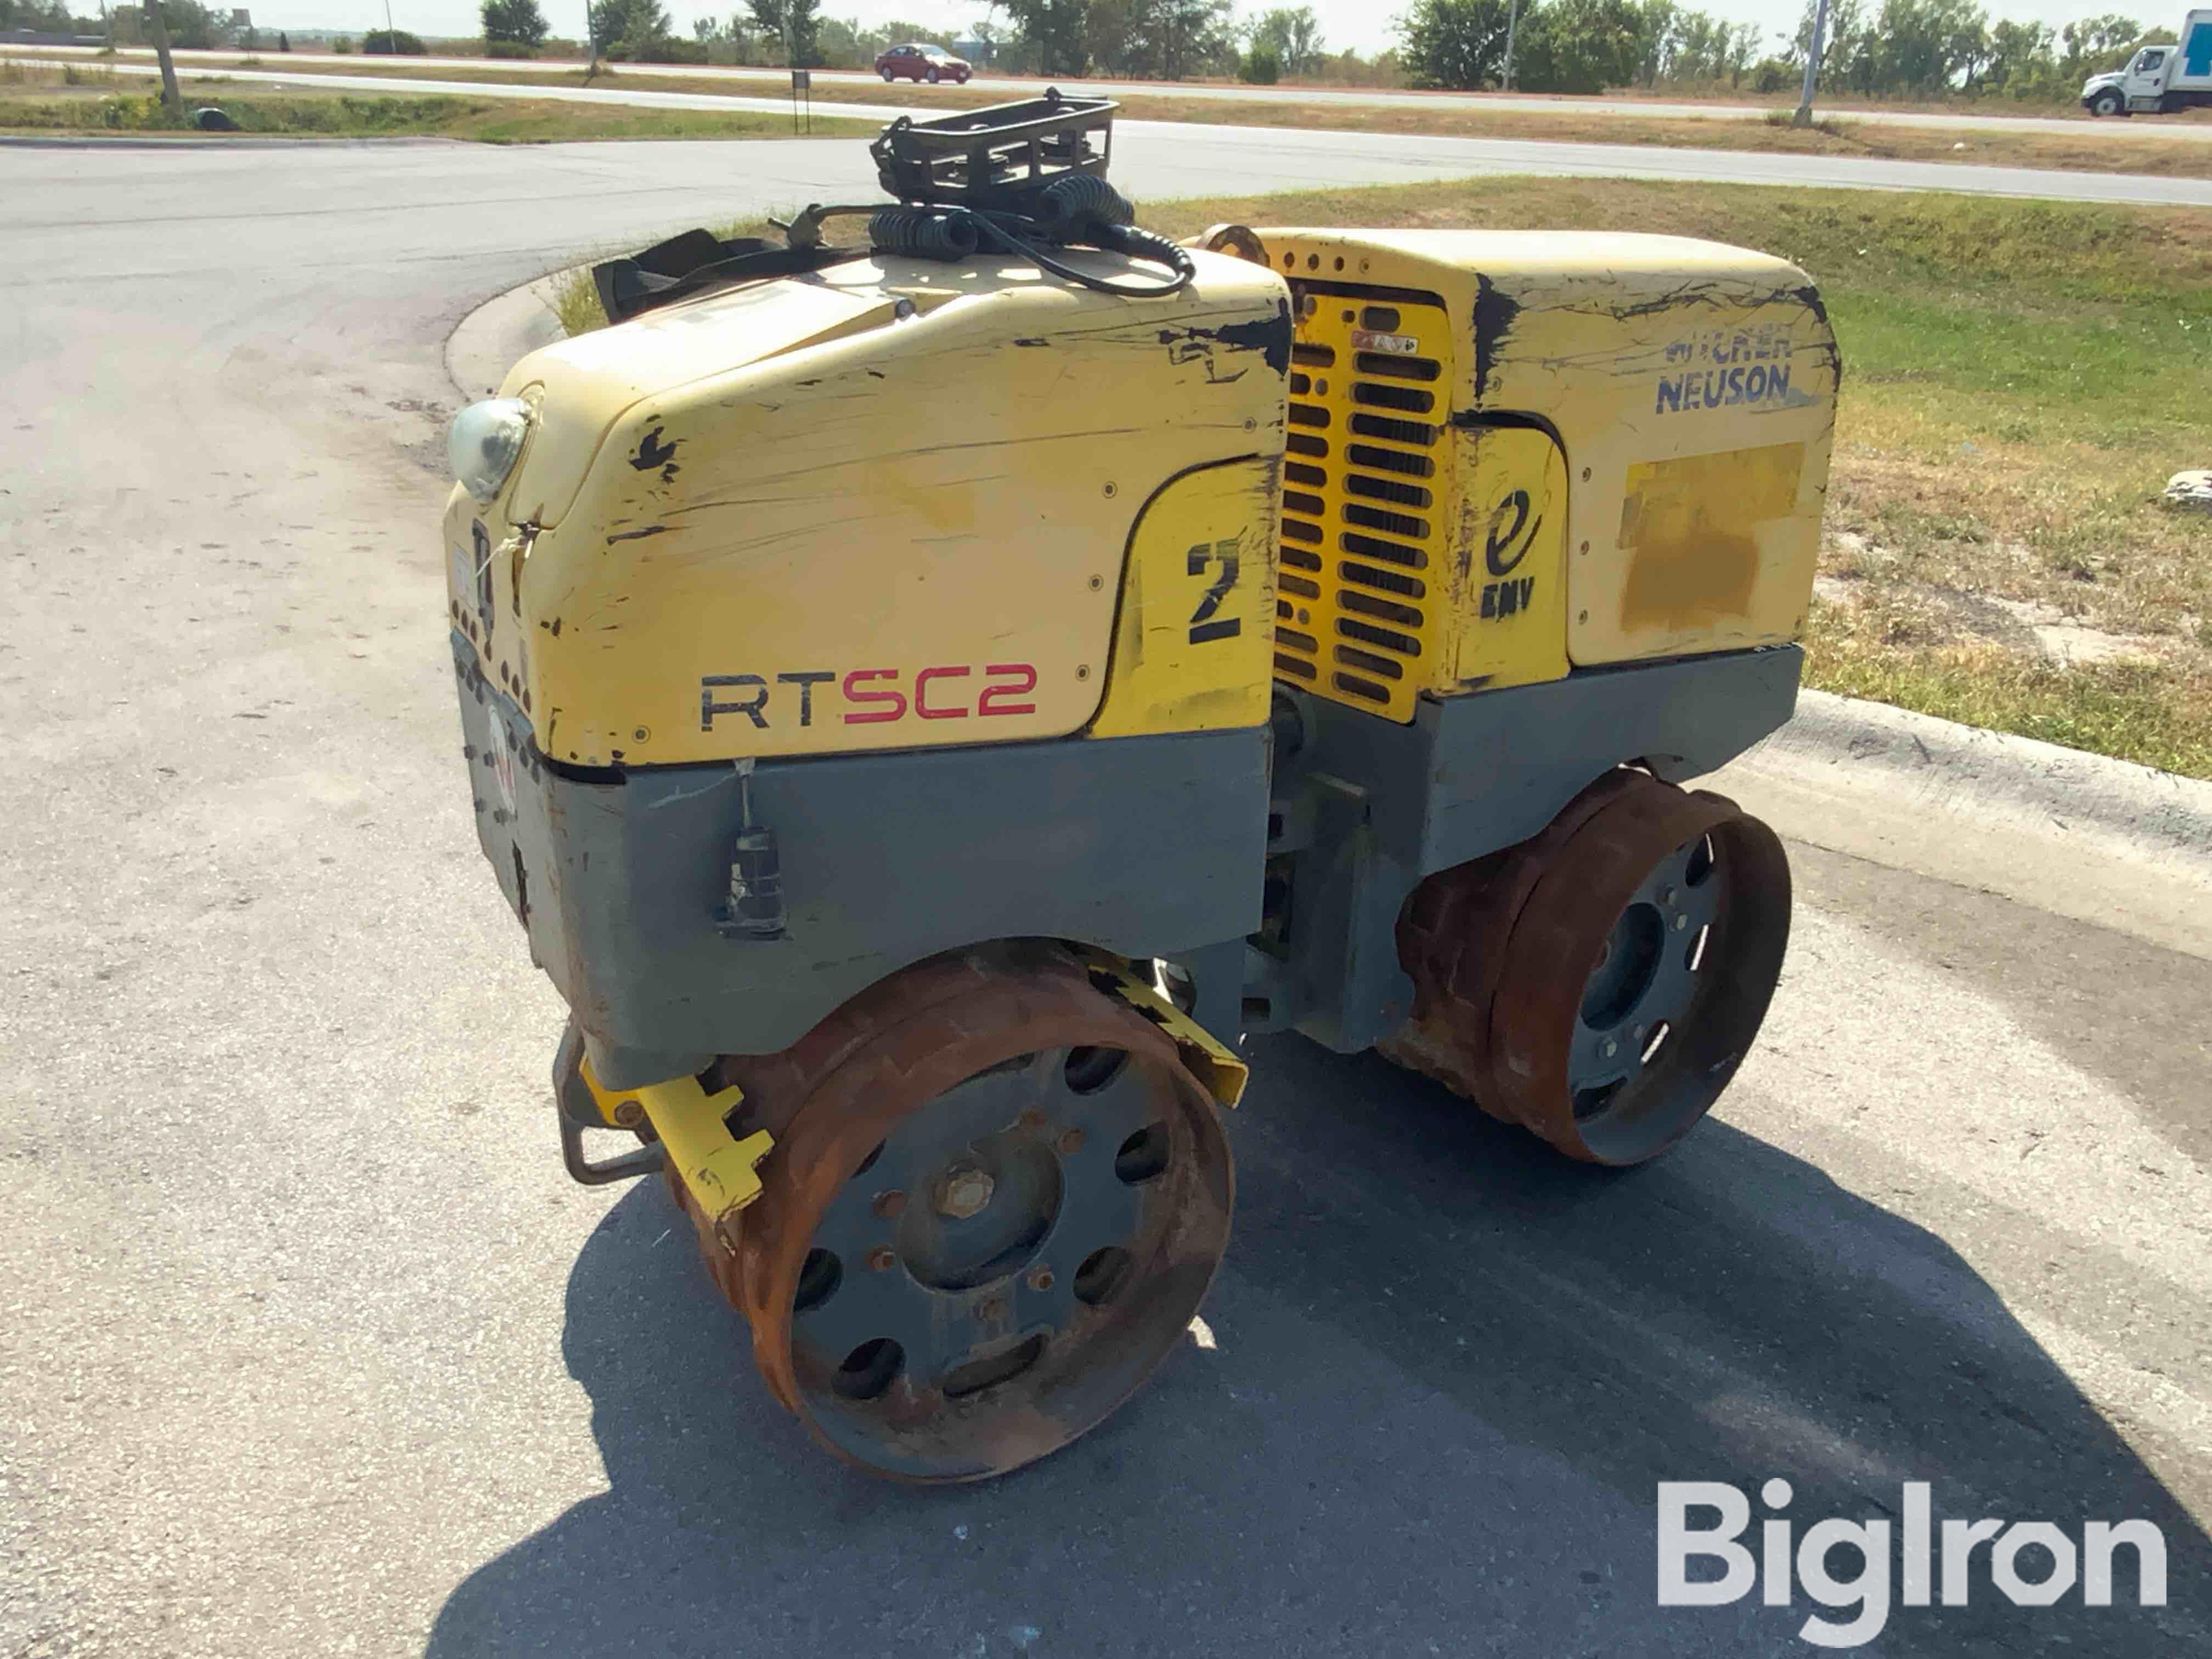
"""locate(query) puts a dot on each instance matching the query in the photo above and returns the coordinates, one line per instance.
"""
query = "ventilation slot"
(1366, 690)
(1367, 605)
(1397, 523)
(1410, 399)
(1299, 472)
(1383, 319)
(1304, 443)
(1297, 530)
(1298, 559)
(1314, 356)
(1310, 415)
(1385, 489)
(1388, 460)
(1297, 666)
(1404, 644)
(1412, 557)
(1352, 657)
(1397, 368)
(1389, 582)
(1301, 387)
(1304, 589)
(1401, 432)
(1298, 641)
(1306, 507)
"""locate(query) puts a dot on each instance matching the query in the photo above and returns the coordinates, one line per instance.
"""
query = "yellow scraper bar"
(1209, 1059)
(718, 1169)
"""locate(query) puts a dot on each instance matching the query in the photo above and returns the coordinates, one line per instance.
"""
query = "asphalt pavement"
(1177, 158)
(1352, 97)
(308, 1346)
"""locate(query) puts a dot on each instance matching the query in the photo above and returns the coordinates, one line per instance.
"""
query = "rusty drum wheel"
(1599, 983)
(995, 1205)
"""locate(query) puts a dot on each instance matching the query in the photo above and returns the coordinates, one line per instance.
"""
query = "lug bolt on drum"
(1063, 1189)
(1599, 983)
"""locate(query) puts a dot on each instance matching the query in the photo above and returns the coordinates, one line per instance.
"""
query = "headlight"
(483, 442)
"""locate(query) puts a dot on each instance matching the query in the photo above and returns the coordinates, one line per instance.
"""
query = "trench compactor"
(929, 696)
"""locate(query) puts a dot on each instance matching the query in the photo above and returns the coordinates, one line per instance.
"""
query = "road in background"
(1361, 97)
(1171, 154)
(310, 1348)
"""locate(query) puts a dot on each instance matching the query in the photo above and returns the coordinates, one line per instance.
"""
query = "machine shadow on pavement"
(1446, 1371)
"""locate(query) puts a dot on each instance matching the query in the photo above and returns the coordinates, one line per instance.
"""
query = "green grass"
(2020, 378)
(576, 302)
(2139, 711)
(58, 98)
(2086, 147)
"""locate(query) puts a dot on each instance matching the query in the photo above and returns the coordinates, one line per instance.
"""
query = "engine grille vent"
(1363, 500)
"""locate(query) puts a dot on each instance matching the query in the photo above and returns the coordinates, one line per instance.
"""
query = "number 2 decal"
(994, 696)
(1203, 626)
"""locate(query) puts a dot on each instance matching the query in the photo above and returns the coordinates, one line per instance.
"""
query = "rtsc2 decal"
(869, 696)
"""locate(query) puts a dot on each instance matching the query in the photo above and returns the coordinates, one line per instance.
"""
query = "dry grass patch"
(2094, 150)
(2089, 153)
(2156, 711)
(67, 97)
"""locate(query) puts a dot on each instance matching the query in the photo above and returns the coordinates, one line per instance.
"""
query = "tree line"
(1169, 40)
(1930, 48)
(1877, 48)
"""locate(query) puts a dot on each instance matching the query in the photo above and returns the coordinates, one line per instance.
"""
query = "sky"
(1365, 24)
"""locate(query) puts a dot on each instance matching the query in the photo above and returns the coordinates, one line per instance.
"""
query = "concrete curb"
(2104, 840)
(506, 328)
(1997, 779)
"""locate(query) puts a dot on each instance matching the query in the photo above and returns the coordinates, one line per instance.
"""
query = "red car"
(923, 62)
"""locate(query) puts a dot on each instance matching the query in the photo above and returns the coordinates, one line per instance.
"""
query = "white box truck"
(2160, 80)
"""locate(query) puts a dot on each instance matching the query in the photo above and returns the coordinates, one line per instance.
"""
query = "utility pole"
(1804, 116)
(591, 44)
(1512, 17)
(158, 32)
(391, 34)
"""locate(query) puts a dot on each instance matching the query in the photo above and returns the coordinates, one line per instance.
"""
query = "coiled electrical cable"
(1076, 201)
(1079, 209)
(924, 233)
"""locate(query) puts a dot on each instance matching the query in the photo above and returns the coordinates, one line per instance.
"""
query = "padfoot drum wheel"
(1601, 982)
(996, 1199)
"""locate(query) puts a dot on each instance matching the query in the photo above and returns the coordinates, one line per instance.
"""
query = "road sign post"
(158, 32)
(802, 98)
(1804, 116)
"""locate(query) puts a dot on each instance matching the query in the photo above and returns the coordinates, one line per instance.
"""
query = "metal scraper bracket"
(999, 158)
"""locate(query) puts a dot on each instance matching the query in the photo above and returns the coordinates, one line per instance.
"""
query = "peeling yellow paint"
(1195, 624)
(1511, 599)
(803, 503)
(1634, 352)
